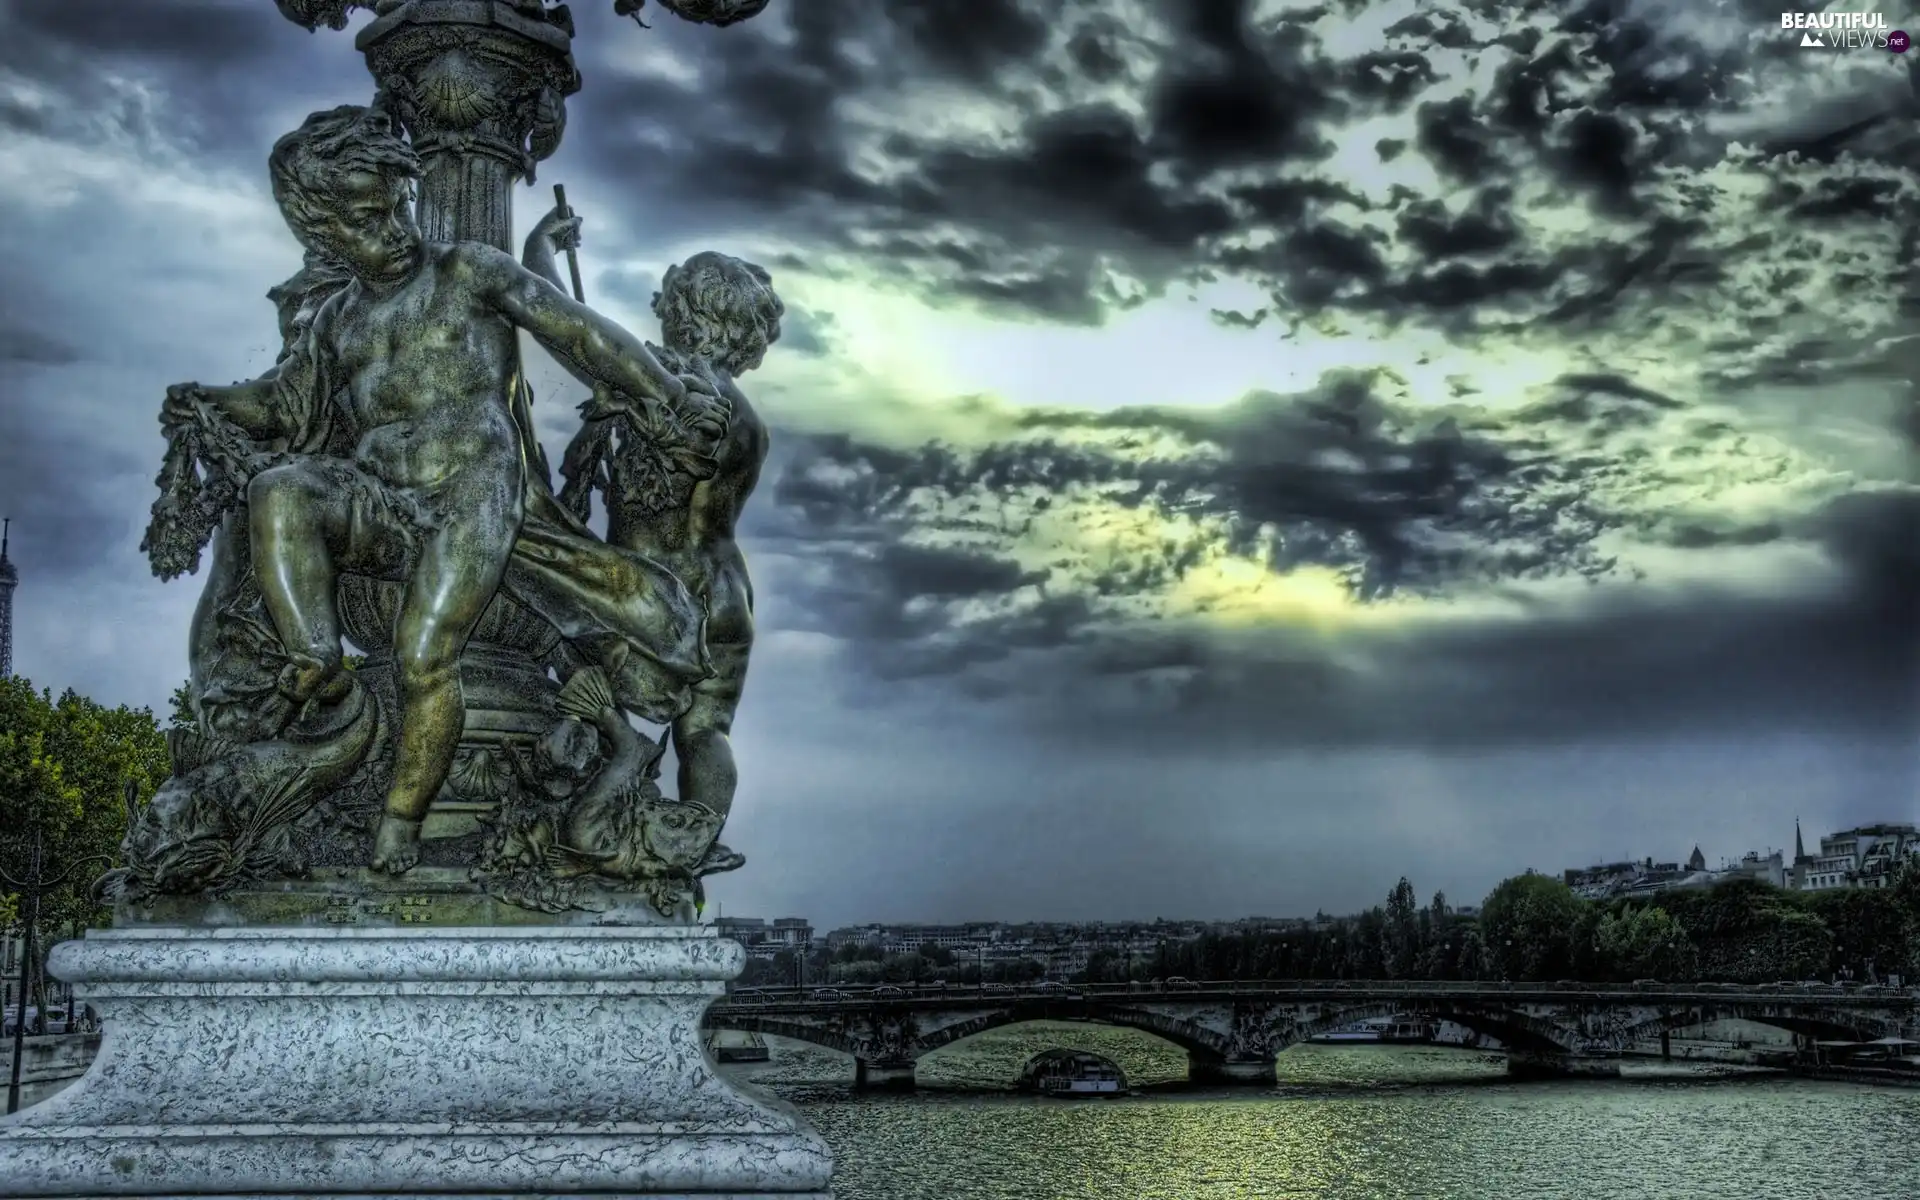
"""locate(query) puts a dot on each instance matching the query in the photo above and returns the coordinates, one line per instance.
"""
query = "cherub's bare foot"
(304, 679)
(396, 847)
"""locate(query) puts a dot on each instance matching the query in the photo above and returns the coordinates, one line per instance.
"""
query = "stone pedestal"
(365, 1062)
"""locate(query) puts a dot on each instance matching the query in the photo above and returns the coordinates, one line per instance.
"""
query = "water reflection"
(1345, 1122)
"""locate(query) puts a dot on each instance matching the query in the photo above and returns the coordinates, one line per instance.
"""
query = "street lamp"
(35, 885)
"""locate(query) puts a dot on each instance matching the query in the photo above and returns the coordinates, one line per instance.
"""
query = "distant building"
(905, 939)
(1770, 869)
(1608, 881)
(1866, 857)
(764, 939)
(795, 933)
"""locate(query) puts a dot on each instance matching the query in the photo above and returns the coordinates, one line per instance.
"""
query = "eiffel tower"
(9, 579)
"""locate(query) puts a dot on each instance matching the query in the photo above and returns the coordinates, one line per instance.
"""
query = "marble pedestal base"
(370, 1062)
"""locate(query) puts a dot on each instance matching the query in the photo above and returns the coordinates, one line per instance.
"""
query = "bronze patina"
(382, 485)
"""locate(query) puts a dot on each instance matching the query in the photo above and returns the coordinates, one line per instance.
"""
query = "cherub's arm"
(271, 406)
(253, 405)
(594, 349)
(552, 234)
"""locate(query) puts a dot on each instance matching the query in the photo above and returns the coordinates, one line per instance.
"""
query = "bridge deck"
(1308, 992)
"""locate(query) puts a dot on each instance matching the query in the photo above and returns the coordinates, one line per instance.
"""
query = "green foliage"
(180, 708)
(1747, 931)
(1531, 929)
(1872, 928)
(1637, 942)
(1400, 932)
(64, 766)
(1528, 924)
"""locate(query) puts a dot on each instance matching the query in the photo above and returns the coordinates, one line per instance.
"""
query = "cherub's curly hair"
(308, 164)
(719, 308)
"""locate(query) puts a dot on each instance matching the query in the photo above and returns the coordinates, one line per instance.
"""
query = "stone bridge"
(1232, 1032)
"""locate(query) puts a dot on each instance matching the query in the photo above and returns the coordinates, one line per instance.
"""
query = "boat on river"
(1408, 1031)
(1072, 1074)
(730, 1047)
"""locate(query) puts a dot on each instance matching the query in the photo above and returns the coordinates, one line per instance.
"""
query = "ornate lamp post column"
(481, 87)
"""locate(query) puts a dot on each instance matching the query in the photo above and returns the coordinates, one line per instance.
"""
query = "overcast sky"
(1229, 455)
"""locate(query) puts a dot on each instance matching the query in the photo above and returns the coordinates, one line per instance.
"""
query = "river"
(1346, 1122)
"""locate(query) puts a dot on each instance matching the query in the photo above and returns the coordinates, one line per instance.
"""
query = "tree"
(1400, 940)
(1473, 960)
(64, 768)
(180, 708)
(1748, 931)
(1644, 943)
(1527, 923)
(1870, 930)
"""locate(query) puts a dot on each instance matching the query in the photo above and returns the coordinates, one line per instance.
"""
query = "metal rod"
(26, 957)
(573, 255)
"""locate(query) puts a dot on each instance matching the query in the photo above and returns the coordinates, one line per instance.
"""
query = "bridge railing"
(974, 993)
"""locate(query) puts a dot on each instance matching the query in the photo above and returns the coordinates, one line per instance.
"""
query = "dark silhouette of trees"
(1531, 929)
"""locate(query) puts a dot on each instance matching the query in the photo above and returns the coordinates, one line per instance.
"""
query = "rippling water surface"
(1347, 1122)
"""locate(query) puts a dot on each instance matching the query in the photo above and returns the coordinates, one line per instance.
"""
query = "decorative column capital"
(312, 14)
(485, 78)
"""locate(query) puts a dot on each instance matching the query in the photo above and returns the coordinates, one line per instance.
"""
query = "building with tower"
(9, 579)
(1870, 856)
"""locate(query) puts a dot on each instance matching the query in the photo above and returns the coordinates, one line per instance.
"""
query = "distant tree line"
(1532, 928)
(65, 762)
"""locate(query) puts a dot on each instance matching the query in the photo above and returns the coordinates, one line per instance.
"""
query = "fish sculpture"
(228, 813)
(619, 826)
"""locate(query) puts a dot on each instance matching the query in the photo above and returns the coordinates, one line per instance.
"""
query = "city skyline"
(1168, 511)
(1906, 834)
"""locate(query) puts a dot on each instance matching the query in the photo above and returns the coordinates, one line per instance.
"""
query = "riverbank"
(49, 1065)
(1876, 1076)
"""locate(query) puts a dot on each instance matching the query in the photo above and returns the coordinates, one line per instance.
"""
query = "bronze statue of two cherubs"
(393, 442)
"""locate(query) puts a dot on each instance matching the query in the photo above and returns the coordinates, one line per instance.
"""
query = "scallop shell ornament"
(454, 91)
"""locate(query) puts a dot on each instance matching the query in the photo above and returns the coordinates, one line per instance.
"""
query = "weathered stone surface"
(358, 898)
(390, 1061)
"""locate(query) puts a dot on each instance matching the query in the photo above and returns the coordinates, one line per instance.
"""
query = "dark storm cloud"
(1213, 166)
(19, 344)
(72, 499)
(1398, 503)
(202, 76)
(1394, 498)
(1034, 224)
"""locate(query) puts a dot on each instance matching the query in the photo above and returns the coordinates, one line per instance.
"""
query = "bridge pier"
(1230, 1072)
(883, 1076)
(1523, 1064)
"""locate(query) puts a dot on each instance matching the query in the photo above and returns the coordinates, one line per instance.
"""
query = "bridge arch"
(799, 1031)
(1807, 1021)
(1514, 1030)
(1192, 1038)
